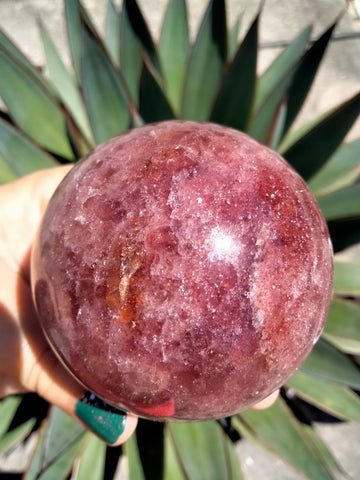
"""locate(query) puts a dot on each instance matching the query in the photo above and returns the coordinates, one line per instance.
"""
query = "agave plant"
(124, 80)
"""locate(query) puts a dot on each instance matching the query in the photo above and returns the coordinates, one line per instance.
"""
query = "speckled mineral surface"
(183, 271)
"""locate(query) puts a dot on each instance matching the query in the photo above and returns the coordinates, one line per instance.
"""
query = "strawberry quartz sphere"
(183, 271)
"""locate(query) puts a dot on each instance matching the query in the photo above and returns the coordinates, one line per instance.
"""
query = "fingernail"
(104, 420)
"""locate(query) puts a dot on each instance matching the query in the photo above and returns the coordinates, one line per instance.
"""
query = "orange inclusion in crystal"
(125, 296)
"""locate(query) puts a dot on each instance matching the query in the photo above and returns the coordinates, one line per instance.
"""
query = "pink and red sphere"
(183, 271)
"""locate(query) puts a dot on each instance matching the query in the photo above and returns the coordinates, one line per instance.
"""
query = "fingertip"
(266, 402)
(130, 427)
(112, 425)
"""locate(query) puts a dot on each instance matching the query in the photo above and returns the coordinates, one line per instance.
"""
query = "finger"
(267, 402)
(59, 388)
(110, 424)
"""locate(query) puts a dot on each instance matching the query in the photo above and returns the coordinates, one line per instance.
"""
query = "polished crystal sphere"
(183, 271)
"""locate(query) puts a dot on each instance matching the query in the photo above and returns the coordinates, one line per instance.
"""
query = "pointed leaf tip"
(153, 105)
(310, 152)
(105, 95)
(76, 14)
(304, 76)
(34, 103)
(20, 154)
(141, 32)
(201, 450)
(112, 35)
(66, 86)
(174, 50)
(60, 441)
(206, 64)
(272, 87)
(235, 97)
(291, 441)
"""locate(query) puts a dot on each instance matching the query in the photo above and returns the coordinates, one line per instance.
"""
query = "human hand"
(27, 363)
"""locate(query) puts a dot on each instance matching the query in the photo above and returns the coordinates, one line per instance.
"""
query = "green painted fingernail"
(104, 420)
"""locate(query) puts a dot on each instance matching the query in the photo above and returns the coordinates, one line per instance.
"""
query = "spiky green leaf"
(344, 203)
(234, 100)
(275, 133)
(346, 278)
(327, 363)
(130, 55)
(201, 449)
(104, 93)
(280, 69)
(20, 154)
(174, 50)
(324, 452)
(8, 46)
(153, 105)
(233, 465)
(335, 399)
(36, 112)
(350, 346)
(315, 146)
(15, 436)
(66, 86)
(73, 23)
(140, 30)
(232, 39)
(112, 32)
(290, 442)
(342, 326)
(172, 467)
(135, 469)
(75, 15)
(340, 171)
(272, 87)
(304, 77)
(8, 407)
(206, 64)
(60, 442)
(6, 174)
(91, 462)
